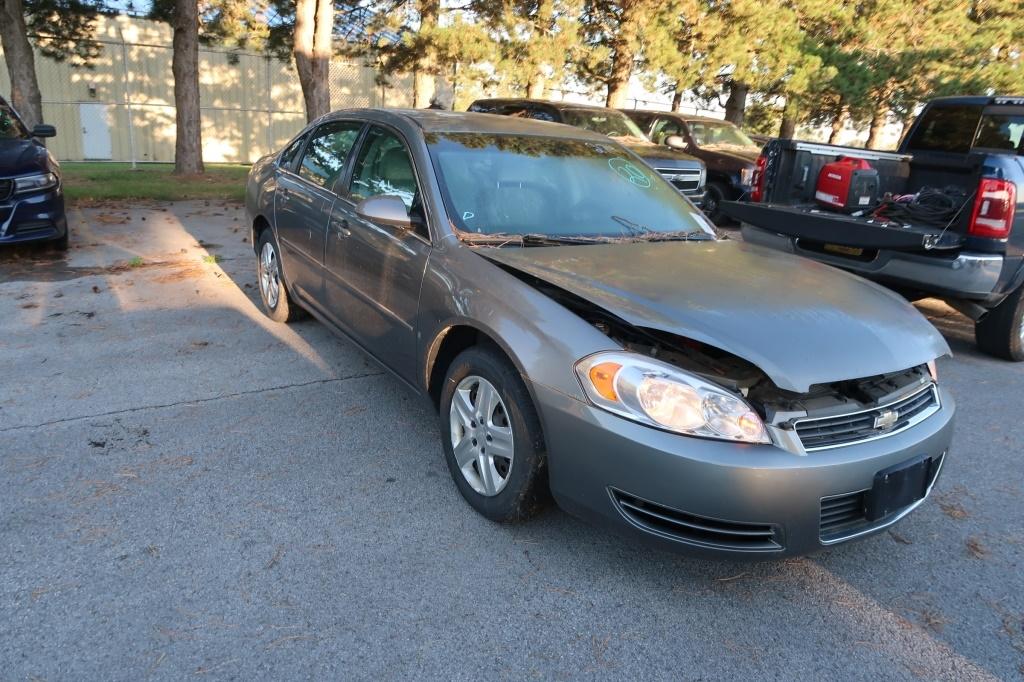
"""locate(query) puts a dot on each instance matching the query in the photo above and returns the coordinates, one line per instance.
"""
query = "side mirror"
(385, 210)
(676, 142)
(43, 130)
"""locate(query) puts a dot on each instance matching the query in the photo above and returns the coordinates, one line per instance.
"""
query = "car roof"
(440, 121)
(678, 114)
(561, 106)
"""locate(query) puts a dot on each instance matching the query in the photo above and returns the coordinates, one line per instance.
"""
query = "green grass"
(85, 182)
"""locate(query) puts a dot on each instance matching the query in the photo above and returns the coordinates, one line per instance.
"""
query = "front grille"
(843, 514)
(683, 179)
(31, 226)
(697, 530)
(856, 427)
(6, 189)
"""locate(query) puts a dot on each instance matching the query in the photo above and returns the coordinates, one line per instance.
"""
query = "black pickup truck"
(964, 154)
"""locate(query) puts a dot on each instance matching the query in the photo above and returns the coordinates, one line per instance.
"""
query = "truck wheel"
(1001, 332)
(712, 203)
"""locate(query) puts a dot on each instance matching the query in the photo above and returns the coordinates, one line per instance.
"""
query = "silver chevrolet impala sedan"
(585, 335)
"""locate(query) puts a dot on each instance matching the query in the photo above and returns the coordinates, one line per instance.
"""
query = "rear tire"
(494, 411)
(1001, 331)
(277, 301)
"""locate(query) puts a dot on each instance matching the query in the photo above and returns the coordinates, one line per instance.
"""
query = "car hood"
(741, 156)
(799, 321)
(649, 151)
(18, 157)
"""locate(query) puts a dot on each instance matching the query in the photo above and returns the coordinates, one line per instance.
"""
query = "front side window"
(665, 128)
(523, 184)
(325, 156)
(10, 127)
(384, 167)
(712, 133)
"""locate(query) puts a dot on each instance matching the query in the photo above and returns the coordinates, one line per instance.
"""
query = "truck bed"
(809, 222)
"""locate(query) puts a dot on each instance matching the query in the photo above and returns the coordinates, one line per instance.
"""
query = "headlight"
(664, 396)
(34, 183)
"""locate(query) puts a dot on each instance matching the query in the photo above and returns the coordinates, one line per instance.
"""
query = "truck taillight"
(757, 190)
(994, 207)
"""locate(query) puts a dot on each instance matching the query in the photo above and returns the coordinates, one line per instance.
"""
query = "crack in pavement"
(194, 401)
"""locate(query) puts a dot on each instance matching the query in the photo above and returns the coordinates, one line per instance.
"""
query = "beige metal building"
(122, 108)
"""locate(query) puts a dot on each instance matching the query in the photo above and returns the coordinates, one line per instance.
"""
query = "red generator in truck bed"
(848, 184)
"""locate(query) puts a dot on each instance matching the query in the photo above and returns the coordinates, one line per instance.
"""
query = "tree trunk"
(21, 62)
(838, 122)
(677, 100)
(188, 142)
(736, 105)
(312, 49)
(879, 119)
(535, 88)
(623, 55)
(787, 128)
(425, 75)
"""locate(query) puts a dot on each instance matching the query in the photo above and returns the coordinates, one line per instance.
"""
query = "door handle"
(341, 225)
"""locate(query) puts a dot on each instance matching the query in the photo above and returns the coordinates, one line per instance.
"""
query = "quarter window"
(325, 156)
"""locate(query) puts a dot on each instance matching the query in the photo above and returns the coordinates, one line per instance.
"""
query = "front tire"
(277, 302)
(713, 198)
(492, 438)
(1001, 331)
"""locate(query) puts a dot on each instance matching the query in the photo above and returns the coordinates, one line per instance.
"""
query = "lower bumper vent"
(693, 529)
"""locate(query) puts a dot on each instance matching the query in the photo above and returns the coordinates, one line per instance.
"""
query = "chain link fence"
(121, 107)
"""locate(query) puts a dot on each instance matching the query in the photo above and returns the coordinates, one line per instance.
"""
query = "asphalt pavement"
(188, 490)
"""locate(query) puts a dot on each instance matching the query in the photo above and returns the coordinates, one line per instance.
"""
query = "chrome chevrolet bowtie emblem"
(886, 420)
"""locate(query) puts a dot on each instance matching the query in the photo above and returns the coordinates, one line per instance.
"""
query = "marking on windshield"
(468, 215)
(628, 171)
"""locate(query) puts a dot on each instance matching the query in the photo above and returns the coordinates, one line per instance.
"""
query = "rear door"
(305, 195)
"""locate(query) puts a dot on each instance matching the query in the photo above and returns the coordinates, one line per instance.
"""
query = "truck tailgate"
(826, 227)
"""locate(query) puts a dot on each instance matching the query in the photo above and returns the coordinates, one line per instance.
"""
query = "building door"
(95, 118)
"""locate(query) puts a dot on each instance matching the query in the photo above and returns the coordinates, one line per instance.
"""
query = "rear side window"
(325, 156)
(946, 129)
(1002, 131)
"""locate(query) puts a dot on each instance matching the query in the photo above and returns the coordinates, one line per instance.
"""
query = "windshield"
(603, 121)
(10, 127)
(706, 134)
(496, 184)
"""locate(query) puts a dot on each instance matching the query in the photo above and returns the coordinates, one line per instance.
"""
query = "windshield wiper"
(678, 236)
(634, 228)
(529, 239)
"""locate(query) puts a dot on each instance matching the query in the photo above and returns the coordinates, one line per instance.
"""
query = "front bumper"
(33, 218)
(965, 275)
(602, 467)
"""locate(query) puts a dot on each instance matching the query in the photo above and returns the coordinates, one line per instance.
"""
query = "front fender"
(541, 337)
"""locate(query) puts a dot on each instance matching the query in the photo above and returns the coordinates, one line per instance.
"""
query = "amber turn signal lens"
(602, 376)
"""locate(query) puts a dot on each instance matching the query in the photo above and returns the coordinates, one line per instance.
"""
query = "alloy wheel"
(481, 435)
(270, 275)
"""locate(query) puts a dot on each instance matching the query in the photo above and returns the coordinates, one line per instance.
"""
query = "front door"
(303, 204)
(375, 271)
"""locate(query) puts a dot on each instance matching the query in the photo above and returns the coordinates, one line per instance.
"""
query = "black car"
(686, 173)
(31, 193)
(728, 153)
